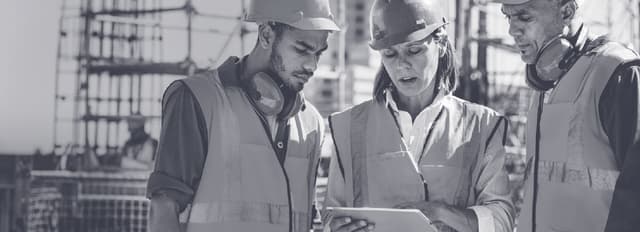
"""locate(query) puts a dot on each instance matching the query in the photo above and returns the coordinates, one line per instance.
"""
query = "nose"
(515, 30)
(311, 63)
(403, 64)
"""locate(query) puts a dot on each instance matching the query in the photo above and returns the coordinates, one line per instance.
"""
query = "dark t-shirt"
(182, 148)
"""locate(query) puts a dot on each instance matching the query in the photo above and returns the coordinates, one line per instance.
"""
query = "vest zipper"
(281, 126)
(424, 146)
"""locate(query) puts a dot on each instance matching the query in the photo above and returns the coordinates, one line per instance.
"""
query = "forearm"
(462, 220)
(164, 214)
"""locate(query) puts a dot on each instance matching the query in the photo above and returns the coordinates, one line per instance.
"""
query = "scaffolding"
(116, 57)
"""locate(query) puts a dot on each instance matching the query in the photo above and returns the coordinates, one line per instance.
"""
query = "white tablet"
(387, 220)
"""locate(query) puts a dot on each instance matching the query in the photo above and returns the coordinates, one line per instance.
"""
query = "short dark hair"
(446, 74)
(279, 28)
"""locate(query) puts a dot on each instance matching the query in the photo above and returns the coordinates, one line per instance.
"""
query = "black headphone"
(554, 60)
(272, 98)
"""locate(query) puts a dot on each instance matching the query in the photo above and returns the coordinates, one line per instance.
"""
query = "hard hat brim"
(321, 24)
(391, 40)
(511, 2)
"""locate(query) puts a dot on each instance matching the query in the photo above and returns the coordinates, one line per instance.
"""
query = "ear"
(266, 35)
(568, 10)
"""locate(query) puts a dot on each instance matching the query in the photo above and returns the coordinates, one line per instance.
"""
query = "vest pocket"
(443, 182)
(555, 131)
(260, 175)
(391, 179)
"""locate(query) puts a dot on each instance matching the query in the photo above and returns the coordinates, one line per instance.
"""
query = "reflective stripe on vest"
(594, 178)
(577, 170)
(243, 187)
(244, 212)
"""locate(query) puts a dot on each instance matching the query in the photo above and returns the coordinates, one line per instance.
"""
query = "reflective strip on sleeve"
(486, 223)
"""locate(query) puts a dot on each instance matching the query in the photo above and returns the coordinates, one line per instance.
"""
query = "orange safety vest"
(243, 186)
(577, 170)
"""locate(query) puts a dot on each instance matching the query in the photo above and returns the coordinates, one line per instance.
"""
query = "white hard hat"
(301, 14)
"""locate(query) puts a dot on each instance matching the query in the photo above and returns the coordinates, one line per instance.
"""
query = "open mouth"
(302, 76)
(408, 79)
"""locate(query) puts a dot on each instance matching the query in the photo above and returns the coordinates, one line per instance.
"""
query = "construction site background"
(75, 70)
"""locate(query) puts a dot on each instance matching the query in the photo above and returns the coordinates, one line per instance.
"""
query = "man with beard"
(239, 146)
(583, 132)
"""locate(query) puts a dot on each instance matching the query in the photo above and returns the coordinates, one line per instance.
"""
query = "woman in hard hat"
(415, 145)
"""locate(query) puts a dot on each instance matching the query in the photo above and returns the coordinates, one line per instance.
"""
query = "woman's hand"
(434, 210)
(443, 215)
(346, 224)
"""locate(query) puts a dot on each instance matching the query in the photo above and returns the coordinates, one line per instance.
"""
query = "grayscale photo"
(320, 116)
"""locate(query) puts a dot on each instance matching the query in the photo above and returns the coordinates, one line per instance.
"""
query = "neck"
(255, 63)
(573, 28)
(415, 104)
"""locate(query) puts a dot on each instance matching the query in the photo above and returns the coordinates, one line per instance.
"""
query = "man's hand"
(164, 214)
(346, 224)
(443, 215)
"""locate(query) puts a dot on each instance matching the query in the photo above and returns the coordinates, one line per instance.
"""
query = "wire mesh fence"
(88, 202)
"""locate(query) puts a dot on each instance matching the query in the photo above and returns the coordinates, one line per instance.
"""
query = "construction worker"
(583, 127)
(239, 146)
(139, 150)
(415, 145)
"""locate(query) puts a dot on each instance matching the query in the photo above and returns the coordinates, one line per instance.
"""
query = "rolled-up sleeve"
(494, 208)
(182, 147)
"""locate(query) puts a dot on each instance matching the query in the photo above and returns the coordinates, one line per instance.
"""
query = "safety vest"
(379, 171)
(243, 186)
(577, 170)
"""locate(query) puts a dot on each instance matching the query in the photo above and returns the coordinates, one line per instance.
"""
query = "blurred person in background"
(139, 150)
(239, 146)
(415, 145)
(583, 132)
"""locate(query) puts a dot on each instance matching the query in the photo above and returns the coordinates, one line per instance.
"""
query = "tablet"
(385, 219)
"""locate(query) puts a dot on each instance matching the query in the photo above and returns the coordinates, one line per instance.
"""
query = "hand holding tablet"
(383, 219)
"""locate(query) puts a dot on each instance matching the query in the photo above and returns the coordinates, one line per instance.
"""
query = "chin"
(295, 87)
(409, 92)
(528, 59)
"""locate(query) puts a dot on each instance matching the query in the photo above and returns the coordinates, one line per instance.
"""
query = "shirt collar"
(438, 101)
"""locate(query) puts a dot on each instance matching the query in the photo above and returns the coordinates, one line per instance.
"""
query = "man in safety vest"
(583, 131)
(239, 146)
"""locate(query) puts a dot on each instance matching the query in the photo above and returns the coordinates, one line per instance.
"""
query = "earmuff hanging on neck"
(270, 98)
(554, 60)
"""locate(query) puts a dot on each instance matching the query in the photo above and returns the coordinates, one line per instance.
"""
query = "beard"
(279, 70)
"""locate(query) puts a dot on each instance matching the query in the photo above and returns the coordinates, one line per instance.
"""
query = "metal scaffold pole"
(342, 69)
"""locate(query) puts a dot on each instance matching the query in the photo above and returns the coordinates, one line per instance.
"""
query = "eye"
(415, 49)
(300, 50)
(388, 53)
(525, 18)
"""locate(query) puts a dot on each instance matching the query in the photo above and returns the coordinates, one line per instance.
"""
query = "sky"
(28, 43)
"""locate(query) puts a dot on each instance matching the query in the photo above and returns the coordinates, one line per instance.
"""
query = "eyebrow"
(310, 47)
(516, 14)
